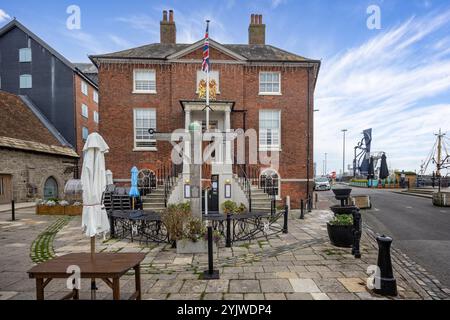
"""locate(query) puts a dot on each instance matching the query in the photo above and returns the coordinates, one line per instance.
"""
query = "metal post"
(13, 211)
(228, 239)
(343, 156)
(302, 209)
(309, 203)
(286, 217)
(210, 274)
(357, 224)
(385, 283)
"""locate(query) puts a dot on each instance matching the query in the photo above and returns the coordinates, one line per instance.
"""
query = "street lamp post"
(325, 165)
(343, 155)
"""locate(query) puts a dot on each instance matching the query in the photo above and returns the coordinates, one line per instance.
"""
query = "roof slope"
(22, 129)
(161, 51)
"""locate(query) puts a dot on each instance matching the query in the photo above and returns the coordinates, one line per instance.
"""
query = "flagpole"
(207, 86)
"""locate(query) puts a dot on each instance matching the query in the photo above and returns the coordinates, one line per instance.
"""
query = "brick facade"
(80, 120)
(176, 80)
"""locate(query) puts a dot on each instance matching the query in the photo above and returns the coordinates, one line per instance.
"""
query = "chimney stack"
(168, 29)
(256, 30)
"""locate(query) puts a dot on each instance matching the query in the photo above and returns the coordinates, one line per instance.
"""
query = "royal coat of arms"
(212, 89)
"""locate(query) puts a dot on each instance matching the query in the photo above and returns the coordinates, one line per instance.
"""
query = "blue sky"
(395, 80)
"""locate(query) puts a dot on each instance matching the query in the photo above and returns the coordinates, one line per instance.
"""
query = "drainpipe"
(308, 156)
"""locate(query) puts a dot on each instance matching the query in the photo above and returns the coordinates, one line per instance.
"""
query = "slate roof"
(22, 129)
(160, 51)
(89, 69)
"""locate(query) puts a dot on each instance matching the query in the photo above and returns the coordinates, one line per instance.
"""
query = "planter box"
(188, 246)
(73, 210)
(340, 236)
(362, 202)
(59, 210)
(441, 199)
(50, 210)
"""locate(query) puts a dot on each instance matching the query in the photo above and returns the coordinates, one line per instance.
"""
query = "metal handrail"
(246, 183)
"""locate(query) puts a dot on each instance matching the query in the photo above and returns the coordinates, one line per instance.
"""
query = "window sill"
(144, 149)
(270, 149)
(270, 94)
(144, 92)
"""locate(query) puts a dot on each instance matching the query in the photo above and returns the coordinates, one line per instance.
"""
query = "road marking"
(409, 207)
(376, 209)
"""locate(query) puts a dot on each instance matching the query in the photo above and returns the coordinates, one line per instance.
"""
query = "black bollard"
(357, 231)
(302, 209)
(210, 274)
(286, 217)
(112, 230)
(385, 283)
(309, 203)
(228, 239)
(13, 211)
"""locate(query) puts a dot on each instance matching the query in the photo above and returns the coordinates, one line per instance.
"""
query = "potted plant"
(174, 218)
(229, 207)
(192, 239)
(49, 207)
(340, 230)
(74, 209)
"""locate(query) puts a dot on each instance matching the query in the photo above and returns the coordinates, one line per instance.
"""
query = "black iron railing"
(168, 178)
(245, 182)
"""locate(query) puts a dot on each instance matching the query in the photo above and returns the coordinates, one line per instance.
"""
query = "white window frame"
(25, 55)
(269, 93)
(267, 170)
(83, 130)
(85, 111)
(84, 87)
(151, 91)
(96, 117)
(213, 75)
(26, 76)
(95, 96)
(265, 146)
(136, 147)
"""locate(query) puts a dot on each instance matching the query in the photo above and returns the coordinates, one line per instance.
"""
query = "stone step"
(153, 207)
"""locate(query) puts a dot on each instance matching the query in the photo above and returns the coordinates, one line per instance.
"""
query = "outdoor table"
(109, 267)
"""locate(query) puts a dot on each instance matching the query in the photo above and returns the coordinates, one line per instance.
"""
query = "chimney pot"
(168, 29)
(257, 30)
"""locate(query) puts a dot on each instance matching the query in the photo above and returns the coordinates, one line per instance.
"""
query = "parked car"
(322, 184)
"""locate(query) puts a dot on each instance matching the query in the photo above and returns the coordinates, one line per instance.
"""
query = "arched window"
(270, 182)
(146, 181)
(50, 189)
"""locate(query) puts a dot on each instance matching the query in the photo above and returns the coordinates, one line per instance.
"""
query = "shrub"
(194, 229)
(342, 220)
(174, 218)
(229, 207)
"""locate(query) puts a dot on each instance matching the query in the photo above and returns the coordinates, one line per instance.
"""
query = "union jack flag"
(206, 64)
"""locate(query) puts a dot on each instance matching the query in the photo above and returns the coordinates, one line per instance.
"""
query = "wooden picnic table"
(109, 267)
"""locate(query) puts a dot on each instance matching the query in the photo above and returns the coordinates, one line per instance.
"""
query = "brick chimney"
(168, 28)
(256, 30)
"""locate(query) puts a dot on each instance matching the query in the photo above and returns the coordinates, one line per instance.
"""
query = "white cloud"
(386, 84)
(4, 16)
(276, 3)
(120, 42)
(190, 25)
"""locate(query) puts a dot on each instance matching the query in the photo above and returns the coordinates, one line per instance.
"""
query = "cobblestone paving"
(300, 265)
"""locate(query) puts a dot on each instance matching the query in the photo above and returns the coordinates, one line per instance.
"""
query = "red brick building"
(258, 87)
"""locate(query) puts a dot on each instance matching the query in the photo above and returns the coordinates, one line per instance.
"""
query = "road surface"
(419, 229)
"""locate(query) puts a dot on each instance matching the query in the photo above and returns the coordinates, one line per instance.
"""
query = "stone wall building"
(34, 159)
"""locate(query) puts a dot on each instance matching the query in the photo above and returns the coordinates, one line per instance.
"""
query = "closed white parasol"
(93, 178)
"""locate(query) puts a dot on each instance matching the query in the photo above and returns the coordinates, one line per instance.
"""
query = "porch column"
(187, 146)
(228, 158)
